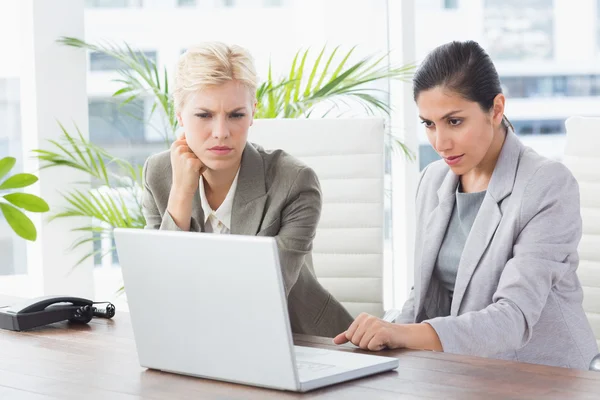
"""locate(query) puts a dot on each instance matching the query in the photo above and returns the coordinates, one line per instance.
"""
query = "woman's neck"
(478, 179)
(217, 185)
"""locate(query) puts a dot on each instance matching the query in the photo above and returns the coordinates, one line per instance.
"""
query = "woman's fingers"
(368, 333)
(341, 338)
(376, 343)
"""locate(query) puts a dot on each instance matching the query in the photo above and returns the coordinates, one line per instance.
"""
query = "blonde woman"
(213, 180)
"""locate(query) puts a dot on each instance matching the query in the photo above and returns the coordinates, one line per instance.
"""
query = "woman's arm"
(299, 219)
(149, 207)
(311, 307)
(371, 333)
(185, 173)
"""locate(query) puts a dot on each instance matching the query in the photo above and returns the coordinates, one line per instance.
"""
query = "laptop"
(214, 306)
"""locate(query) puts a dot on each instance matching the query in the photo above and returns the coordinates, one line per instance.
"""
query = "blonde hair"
(212, 63)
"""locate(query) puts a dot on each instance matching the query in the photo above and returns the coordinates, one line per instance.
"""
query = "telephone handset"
(45, 310)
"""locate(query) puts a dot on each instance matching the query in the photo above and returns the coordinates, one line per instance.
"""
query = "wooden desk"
(100, 362)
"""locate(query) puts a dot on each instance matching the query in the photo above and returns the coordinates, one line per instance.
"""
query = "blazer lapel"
(481, 234)
(489, 216)
(435, 229)
(251, 194)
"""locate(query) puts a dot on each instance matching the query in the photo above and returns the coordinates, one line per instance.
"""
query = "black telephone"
(46, 310)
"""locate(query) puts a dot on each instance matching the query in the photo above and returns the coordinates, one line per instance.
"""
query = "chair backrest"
(582, 157)
(348, 157)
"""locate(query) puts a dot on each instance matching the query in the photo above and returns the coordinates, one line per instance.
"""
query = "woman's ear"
(498, 109)
(179, 119)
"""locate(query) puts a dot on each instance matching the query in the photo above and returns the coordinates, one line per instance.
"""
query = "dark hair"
(464, 68)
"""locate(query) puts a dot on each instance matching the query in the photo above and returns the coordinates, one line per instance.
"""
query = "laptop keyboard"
(312, 366)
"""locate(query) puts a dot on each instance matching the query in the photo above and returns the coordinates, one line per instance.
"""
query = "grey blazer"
(276, 196)
(517, 295)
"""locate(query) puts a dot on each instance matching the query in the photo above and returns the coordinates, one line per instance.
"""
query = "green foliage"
(115, 205)
(330, 79)
(12, 203)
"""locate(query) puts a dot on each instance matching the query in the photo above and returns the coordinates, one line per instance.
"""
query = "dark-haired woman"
(497, 232)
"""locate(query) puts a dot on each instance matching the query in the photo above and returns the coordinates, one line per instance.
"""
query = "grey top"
(463, 215)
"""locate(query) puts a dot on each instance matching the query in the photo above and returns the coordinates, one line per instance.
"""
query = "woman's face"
(458, 129)
(216, 120)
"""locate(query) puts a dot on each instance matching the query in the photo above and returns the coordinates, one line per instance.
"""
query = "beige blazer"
(517, 295)
(276, 196)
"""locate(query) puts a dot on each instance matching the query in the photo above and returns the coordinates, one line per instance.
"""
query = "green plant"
(114, 204)
(139, 77)
(326, 80)
(15, 201)
(330, 81)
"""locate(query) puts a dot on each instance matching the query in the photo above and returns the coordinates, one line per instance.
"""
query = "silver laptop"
(213, 306)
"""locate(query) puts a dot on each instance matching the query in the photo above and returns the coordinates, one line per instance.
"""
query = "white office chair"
(348, 157)
(583, 159)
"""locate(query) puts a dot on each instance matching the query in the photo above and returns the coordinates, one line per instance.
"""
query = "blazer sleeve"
(150, 210)
(299, 219)
(545, 250)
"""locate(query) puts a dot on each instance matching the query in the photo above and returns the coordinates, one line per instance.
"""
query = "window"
(551, 86)
(519, 29)
(123, 131)
(450, 4)
(228, 3)
(427, 155)
(513, 86)
(103, 62)
(539, 127)
(13, 253)
(579, 86)
(111, 122)
(595, 85)
(113, 3)
(186, 3)
(560, 85)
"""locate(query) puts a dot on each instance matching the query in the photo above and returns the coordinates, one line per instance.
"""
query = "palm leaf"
(140, 78)
(288, 99)
(329, 61)
(313, 72)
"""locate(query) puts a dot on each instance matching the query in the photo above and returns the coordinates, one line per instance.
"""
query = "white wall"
(10, 45)
(436, 26)
(575, 27)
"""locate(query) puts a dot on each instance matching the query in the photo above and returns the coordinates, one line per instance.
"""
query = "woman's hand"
(186, 167)
(371, 333)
